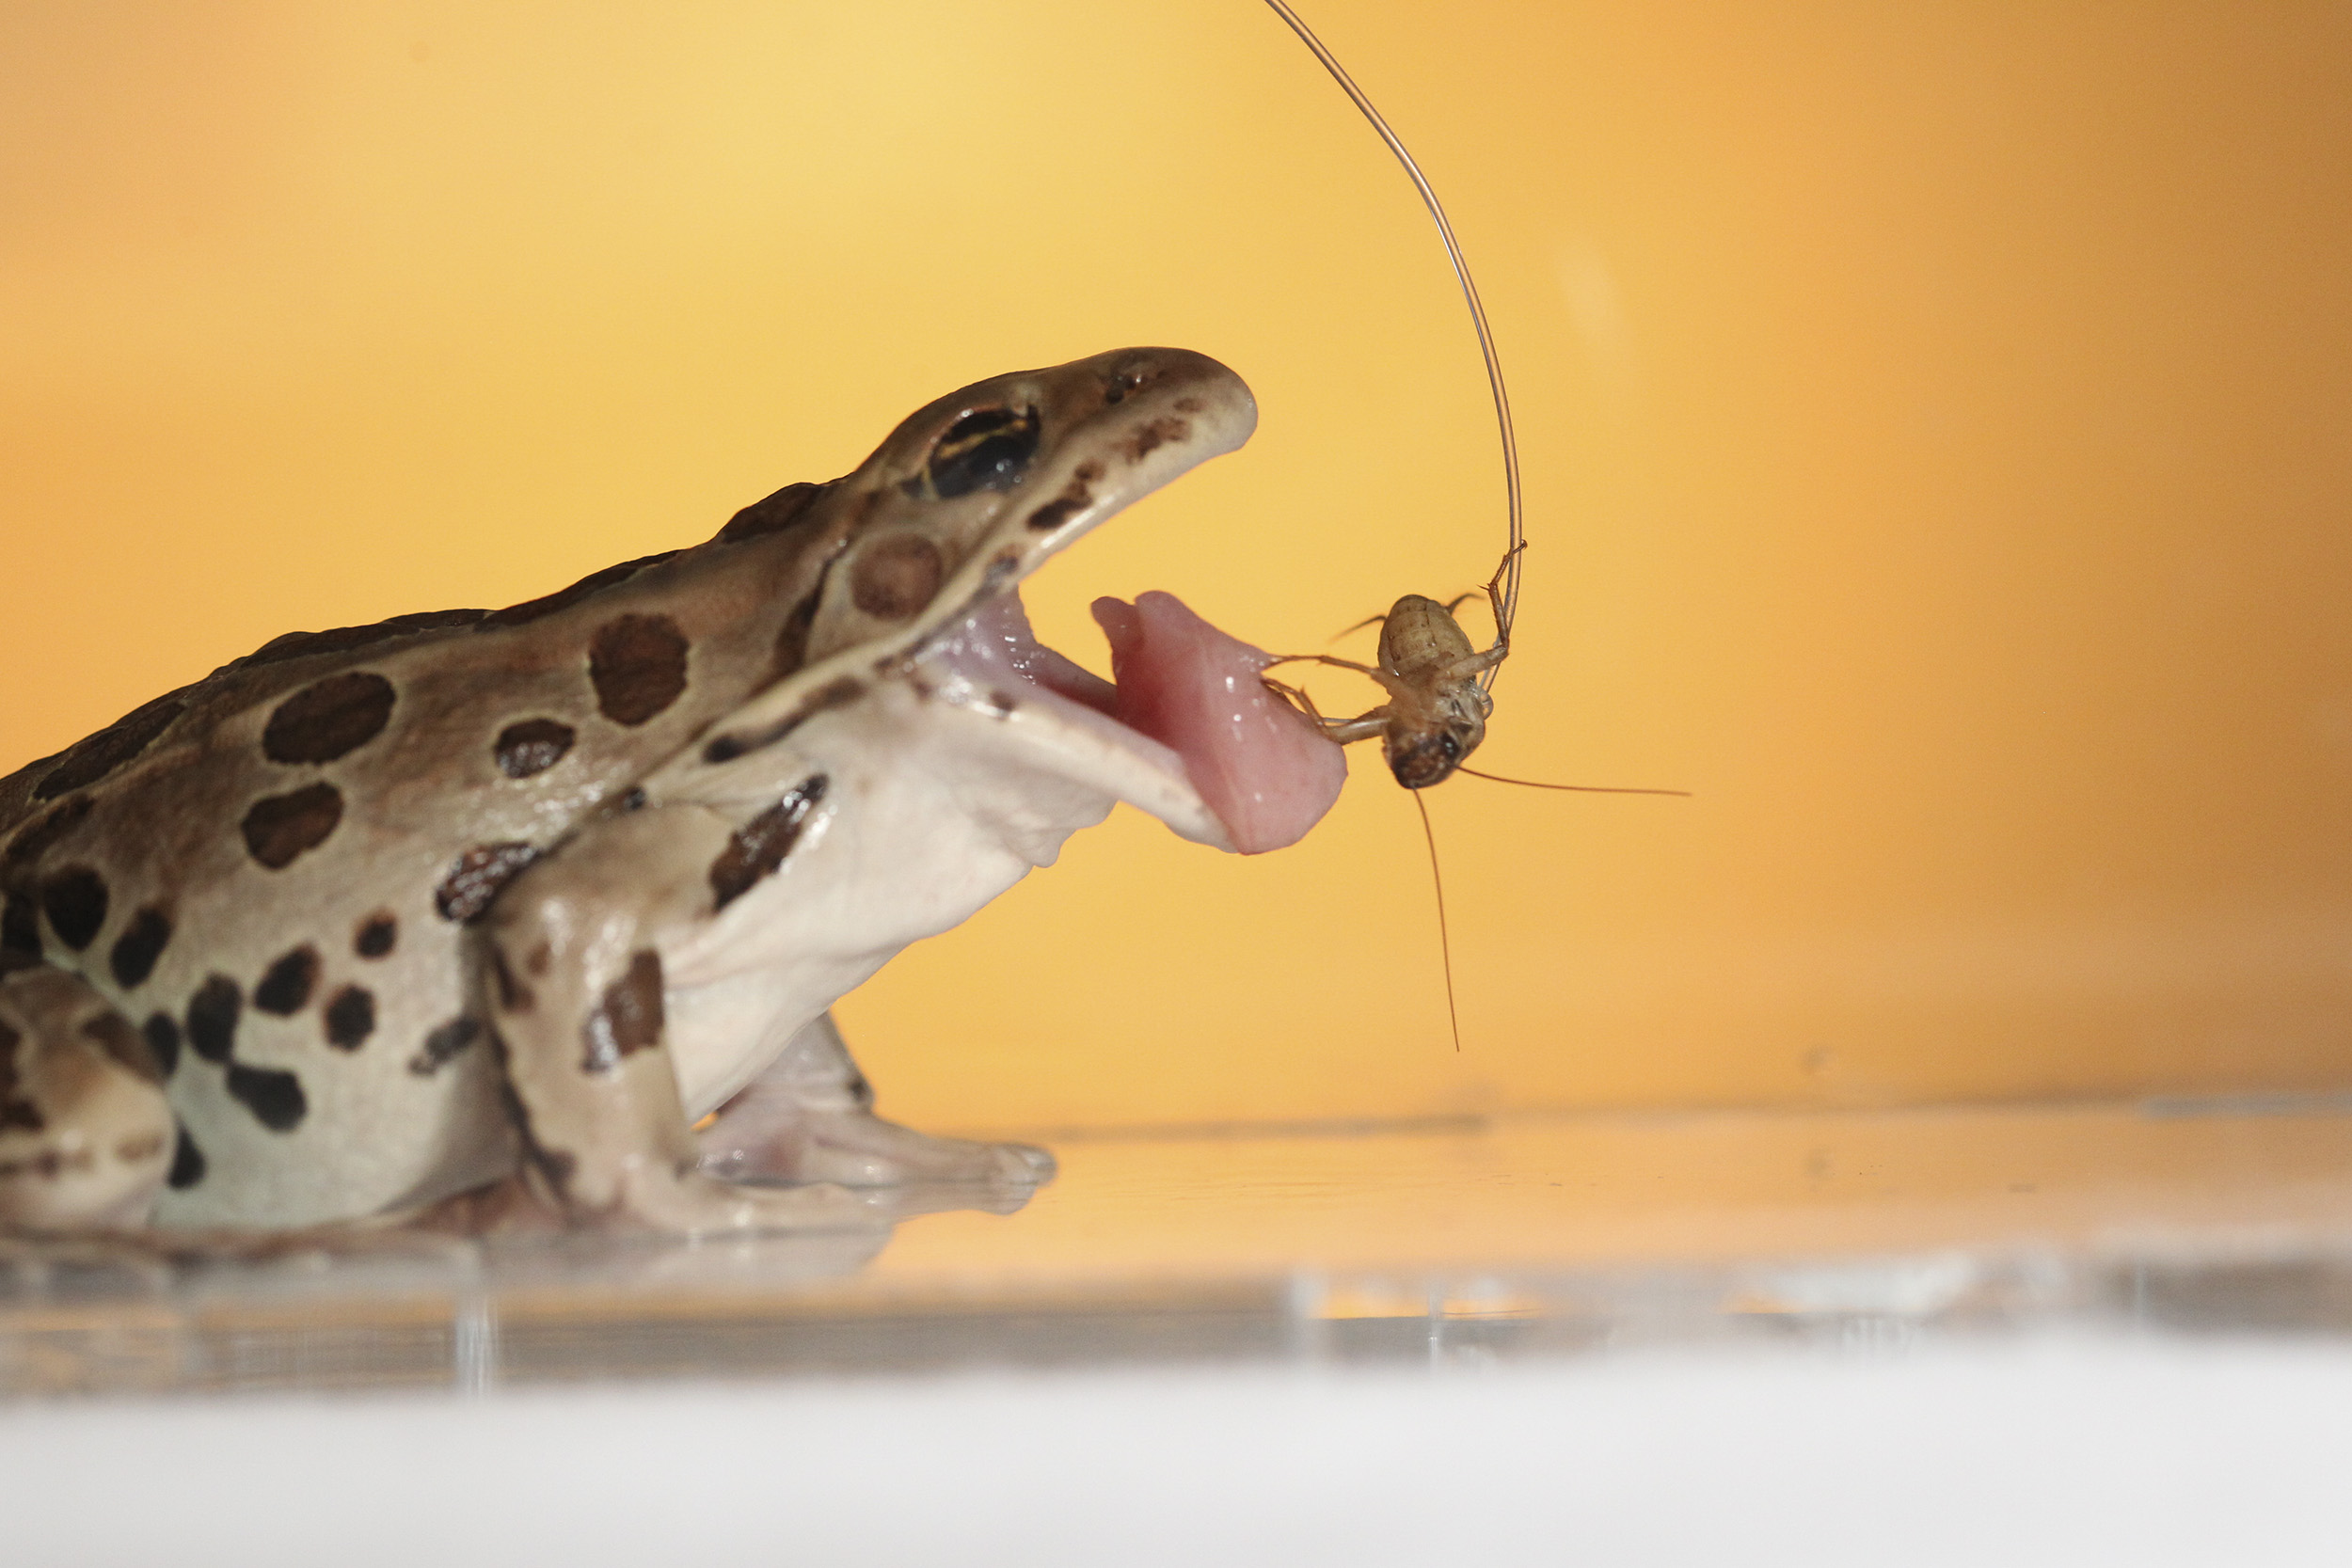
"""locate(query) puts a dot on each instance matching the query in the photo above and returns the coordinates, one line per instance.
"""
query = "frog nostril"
(986, 450)
(1127, 379)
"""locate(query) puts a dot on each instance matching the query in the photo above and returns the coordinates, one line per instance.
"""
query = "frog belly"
(378, 1138)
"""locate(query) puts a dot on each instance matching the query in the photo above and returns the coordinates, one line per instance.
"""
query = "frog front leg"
(573, 949)
(810, 1117)
(85, 1137)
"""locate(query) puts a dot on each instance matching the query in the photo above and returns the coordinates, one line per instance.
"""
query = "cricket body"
(1437, 707)
(1440, 685)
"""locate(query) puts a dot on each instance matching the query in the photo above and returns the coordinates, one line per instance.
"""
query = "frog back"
(272, 872)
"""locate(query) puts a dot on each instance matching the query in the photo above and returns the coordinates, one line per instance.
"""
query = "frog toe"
(1026, 1162)
(694, 1204)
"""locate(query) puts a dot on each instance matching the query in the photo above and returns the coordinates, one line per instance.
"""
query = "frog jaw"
(1059, 717)
(1190, 726)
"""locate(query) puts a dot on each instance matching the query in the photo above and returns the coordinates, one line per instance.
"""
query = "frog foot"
(861, 1150)
(691, 1203)
(809, 1117)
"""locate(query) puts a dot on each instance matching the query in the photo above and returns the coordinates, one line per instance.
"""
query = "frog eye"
(986, 450)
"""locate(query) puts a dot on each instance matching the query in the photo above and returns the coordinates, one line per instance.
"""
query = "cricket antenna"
(1445, 944)
(1507, 606)
(1580, 789)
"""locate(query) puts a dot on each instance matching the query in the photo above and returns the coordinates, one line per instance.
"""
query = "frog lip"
(990, 662)
(1187, 734)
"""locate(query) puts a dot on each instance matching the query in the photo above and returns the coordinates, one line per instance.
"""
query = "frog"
(556, 899)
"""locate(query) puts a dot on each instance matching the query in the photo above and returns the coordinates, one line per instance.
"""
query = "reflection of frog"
(375, 916)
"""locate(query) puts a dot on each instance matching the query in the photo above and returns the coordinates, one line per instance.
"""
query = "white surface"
(2071, 1453)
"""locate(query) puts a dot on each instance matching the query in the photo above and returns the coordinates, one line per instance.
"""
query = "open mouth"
(1185, 697)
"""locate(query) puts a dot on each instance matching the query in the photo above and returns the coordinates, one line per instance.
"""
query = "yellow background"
(1934, 423)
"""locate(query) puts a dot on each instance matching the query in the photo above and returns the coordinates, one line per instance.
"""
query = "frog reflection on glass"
(375, 917)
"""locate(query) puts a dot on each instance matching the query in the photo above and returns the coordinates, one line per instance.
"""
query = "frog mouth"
(1185, 701)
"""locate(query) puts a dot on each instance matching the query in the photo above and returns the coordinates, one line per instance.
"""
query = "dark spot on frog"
(75, 899)
(20, 914)
(539, 960)
(137, 948)
(328, 719)
(771, 514)
(20, 926)
(533, 610)
(629, 1018)
(985, 450)
(278, 828)
(275, 1098)
(187, 1160)
(284, 988)
(758, 846)
(476, 877)
(999, 704)
(112, 1033)
(350, 1017)
(634, 800)
(533, 746)
(1152, 435)
(792, 637)
(1075, 497)
(163, 1041)
(638, 666)
(343, 640)
(213, 1018)
(14, 1111)
(90, 759)
(896, 575)
(445, 1043)
(513, 997)
(833, 694)
(377, 935)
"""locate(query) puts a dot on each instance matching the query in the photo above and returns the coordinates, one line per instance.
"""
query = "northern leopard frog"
(377, 916)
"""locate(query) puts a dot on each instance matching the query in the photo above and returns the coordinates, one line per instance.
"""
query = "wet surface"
(1455, 1242)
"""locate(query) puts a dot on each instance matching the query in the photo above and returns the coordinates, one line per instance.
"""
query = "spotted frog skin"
(375, 917)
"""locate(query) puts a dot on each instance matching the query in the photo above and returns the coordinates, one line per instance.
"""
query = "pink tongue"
(1259, 765)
